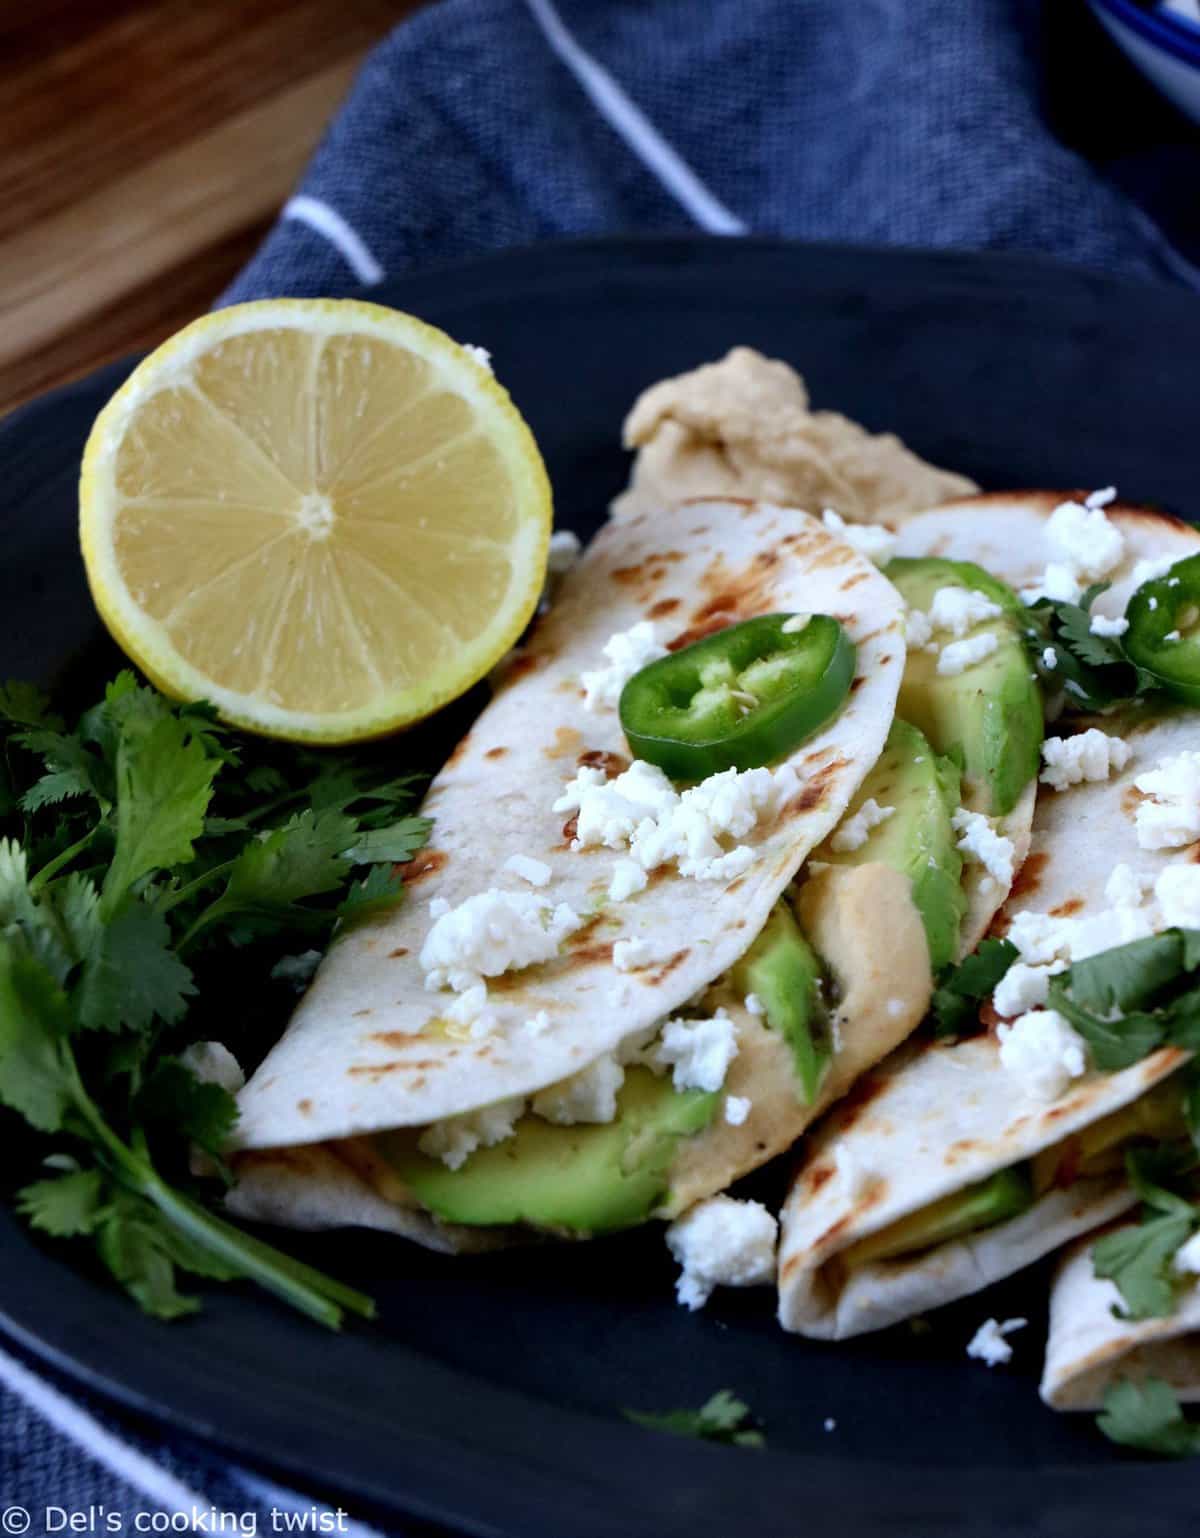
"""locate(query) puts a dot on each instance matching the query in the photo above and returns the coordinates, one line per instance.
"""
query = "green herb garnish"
(1147, 1416)
(1092, 669)
(1138, 1259)
(1130, 1000)
(724, 1418)
(150, 864)
(962, 989)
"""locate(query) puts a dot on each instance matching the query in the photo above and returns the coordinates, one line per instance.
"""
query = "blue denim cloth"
(951, 123)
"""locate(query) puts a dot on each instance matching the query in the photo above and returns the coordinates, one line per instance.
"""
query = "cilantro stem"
(52, 867)
(165, 904)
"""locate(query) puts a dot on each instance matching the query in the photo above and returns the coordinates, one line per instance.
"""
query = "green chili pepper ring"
(738, 699)
(1168, 606)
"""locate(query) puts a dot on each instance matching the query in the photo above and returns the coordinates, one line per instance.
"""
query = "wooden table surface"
(145, 146)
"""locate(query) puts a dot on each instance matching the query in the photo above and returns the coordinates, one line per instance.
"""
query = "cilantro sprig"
(962, 989)
(723, 1418)
(1128, 1001)
(1147, 1415)
(1138, 1259)
(149, 858)
(1092, 669)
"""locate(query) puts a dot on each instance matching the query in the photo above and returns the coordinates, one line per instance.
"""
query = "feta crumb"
(628, 651)
(959, 609)
(698, 1052)
(988, 1343)
(538, 1024)
(1152, 603)
(852, 834)
(1170, 817)
(1101, 626)
(1023, 987)
(1172, 635)
(490, 933)
(628, 877)
(1049, 658)
(869, 539)
(830, 1423)
(722, 1243)
(213, 1063)
(1090, 755)
(470, 1009)
(1087, 541)
(481, 355)
(1043, 1051)
(1177, 892)
(918, 631)
(737, 1108)
(1126, 887)
(536, 872)
(1058, 583)
(961, 655)
(754, 1005)
(794, 625)
(1101, 498)
(455, 1138)
(587, 1096)
(563, 552)
(979, 841)
(629, 955)
(1187, 1257)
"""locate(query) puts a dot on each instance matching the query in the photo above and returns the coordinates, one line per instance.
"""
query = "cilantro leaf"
(130, 1241)
(131, 975)
(393, 844)
(173, 1097)
(1093, 670)
(71, 769)
(1147, 1416)
(64, 1207)
(1127, 977)
(381, 890)
(724, 1418)
(964, 987)
(24, 704)
(1137, 1261)
(36, 1077)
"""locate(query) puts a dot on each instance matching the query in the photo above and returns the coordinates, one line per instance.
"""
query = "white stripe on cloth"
(632, 124)
(126, 1463)
(343, 237)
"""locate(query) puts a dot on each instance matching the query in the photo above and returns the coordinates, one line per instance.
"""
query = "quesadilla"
(959, 1163)
(743, 427)
(559, 1042)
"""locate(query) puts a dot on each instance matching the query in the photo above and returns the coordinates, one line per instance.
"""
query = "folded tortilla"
(743, 427)
(360, 1054)
(1089, 1348)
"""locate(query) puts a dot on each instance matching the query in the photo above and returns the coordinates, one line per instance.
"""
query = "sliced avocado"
(587, 1178)
(983, 1205)
(1100, 1149)
(989, 717)
(784, 971)
(918, 838)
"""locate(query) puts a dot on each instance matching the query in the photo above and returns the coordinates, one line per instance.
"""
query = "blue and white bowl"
(1163, 45)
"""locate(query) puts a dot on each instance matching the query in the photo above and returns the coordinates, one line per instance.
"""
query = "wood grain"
(144, 147)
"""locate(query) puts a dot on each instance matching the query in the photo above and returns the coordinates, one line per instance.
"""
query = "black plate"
(487, 1399)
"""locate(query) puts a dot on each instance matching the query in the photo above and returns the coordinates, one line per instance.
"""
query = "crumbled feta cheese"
(642, 809)
(1101, 498)
(918, 631)
(470, 1009)
(722, 1243)
(1090, 755)
(1049, 658)
(628, 652)
(628, 877)
(1126, 887)
(988, 1343)
(490, 933)
(297, 970)
(1170, 817)
(1058, 583)
(628, 955)
(979, 841)
(536, 872)
(1152, 603)
(1177, 892)
(1151, 568)
(213, 1063)
(1023, 987)
(1085, 539)
(698, 1052)
(480, 354)
(1101, 626)
(1187, 1257)
(587, 1096)
(454, 1139)
(754, 1005)
(538, 1024)
(830, 1423)
(1043, 1051)
(961, 655)
(869, 539)
(795, 624)
(959, 609)
(563, 552)
(737, 1108)
(1172, 635)
(853, 831)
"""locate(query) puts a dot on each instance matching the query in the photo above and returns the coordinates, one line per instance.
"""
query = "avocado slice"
(1099, 1149)
(918, 839)
(586, 1179)
(988, 718)
(983, 1205)
(787, 975)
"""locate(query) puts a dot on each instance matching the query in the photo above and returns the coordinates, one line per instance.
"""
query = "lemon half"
(324, 516)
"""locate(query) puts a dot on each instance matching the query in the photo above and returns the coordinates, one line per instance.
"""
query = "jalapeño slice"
(1164, 629)
(741, 698)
